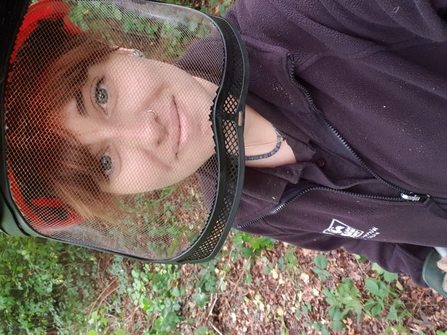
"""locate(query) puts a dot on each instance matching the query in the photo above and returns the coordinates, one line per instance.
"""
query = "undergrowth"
(52, 288)
(45, 286)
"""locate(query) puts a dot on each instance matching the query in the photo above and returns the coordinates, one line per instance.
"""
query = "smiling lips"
(179, 132)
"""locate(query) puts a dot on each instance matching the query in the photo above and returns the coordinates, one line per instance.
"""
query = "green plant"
(251, 246)
(345, 298)
(320, 267)
(151, 289)
(203, 331)
(41, 282)
(382, 298)
(169, 37)
(217, 7)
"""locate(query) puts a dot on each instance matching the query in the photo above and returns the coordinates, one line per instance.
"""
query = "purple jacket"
(359, 89)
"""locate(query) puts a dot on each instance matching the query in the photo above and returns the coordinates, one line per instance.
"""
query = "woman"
(344, 134)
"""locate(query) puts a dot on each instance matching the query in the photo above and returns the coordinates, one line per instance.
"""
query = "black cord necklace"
(279, 140)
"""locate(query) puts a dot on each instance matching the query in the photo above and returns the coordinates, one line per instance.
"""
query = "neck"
(260, 138)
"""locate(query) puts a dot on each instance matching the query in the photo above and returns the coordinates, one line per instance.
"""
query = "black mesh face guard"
(122, 127)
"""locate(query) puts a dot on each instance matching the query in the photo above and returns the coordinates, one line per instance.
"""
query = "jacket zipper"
(282, 205)
(405, 195)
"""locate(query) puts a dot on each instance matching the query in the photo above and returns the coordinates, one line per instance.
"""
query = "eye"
(80, 106)
(101, 94)
(106, 165)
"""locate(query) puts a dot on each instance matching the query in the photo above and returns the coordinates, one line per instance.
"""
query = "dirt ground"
(269, 304)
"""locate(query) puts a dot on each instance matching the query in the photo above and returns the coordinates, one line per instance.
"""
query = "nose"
(145, 132)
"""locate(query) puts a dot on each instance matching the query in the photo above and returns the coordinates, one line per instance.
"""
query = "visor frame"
(201, 249)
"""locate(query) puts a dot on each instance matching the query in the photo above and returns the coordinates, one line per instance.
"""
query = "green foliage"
(170, 37)
(382, 299)
(321, 264)
(203, 331)
(151, 289)
(251, 246)
(320, 327)
(46, 280)
(41, 283)
(345, 298)
(217, 7)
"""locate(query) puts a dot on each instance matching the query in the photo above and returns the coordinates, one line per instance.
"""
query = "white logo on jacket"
(339, 228)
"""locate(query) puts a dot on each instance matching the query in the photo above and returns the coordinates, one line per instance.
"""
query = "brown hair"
(49, 70)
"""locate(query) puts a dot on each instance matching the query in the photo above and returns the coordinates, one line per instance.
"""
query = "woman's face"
(146, 121)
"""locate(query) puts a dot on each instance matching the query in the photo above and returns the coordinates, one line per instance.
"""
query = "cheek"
(137, 173)
(131, 81)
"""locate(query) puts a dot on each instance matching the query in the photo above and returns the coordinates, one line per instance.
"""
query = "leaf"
(376, 310)
(392, 314)
(117, 13)
(399, 286)
(321, 261)
(335, 314)
(247, 252)
(331, 299)
(360, 258)
(337, 325)
(202, 330)
(372, 286)
(175, 292)
(377, 269)
(389, 277)
(369, 305)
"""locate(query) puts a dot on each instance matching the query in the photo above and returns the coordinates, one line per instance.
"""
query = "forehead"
(119, 60)
(112, 61)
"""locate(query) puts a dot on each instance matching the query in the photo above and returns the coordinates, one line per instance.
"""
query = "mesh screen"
(111, 137)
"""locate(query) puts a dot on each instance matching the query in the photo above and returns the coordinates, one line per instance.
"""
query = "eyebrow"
(80, 106)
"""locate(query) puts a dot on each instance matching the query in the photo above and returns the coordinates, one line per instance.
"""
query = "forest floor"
(257, 286)
(261, 298)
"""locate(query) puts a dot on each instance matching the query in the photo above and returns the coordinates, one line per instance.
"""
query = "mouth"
(179, 129)
(184, 124)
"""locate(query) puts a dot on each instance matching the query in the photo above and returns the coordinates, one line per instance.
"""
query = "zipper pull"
(414, 197)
